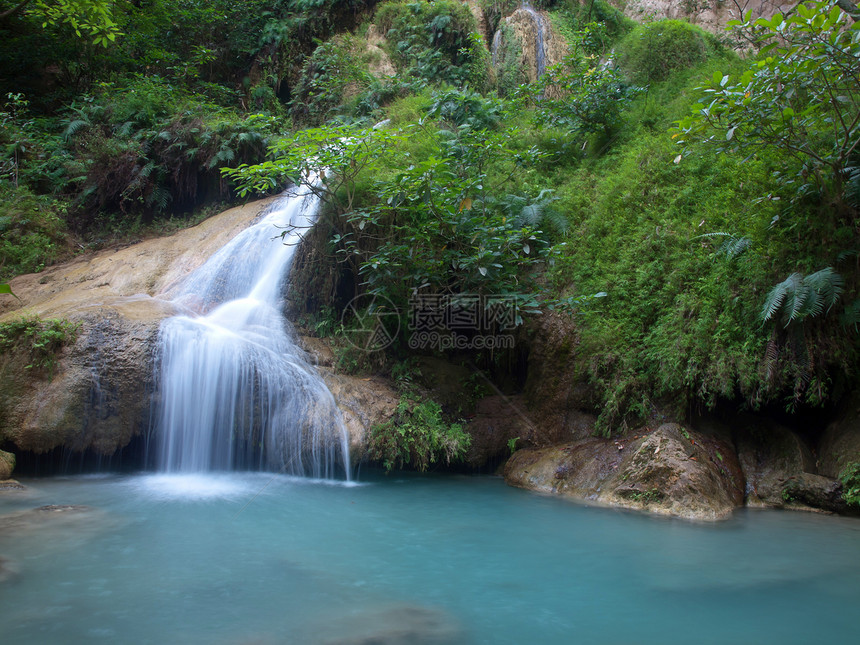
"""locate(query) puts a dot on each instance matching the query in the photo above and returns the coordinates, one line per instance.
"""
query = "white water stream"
(234, 391)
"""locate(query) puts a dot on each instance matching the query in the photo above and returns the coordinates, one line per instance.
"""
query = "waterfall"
(541, 36)
(234, 390)
(540, 31)
(497, 43)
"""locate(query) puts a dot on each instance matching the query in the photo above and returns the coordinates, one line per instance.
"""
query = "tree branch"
(849, 7)
(16, 9)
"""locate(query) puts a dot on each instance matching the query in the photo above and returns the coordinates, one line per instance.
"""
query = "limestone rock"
(498, 420)
(814, 492)
(318, 351)
(711, 16)
(98, 397)
(840, 444)
(670, 471)
(363, 402)
(770, 455)
(556, 393)
(7, 465)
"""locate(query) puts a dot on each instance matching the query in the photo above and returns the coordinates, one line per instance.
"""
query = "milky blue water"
(251, 558)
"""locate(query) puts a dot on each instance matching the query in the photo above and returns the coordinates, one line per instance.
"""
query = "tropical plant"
(417, 436)
(799, 96)
(799, 297)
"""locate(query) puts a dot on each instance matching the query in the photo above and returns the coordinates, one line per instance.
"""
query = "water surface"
(256, 558)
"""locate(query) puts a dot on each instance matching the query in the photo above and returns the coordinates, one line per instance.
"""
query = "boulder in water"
(670, 471)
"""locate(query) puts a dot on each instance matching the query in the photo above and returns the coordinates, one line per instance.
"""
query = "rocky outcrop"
(770, 455)
(670, 471)
(7, 465)
(707, 14)
(363, 402)
(527, 40)
(840, 444)
(98, 396)
(500, 424)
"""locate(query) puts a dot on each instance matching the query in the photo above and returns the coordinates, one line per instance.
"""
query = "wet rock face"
(670, 471)
(98, 397)
(770, 455)
(363, 402)
(539, 46)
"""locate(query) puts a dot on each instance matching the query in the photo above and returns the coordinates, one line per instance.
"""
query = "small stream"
(262, 558)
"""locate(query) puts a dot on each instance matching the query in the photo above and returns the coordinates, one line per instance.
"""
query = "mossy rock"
(7, 464)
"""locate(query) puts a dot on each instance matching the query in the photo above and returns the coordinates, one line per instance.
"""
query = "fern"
(851, 316)
(74, 127)
(733, 247)
(799, 297)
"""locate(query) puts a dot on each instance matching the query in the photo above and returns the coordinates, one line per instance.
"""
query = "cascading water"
(494, 49)
(540, 44)
(235, 391)
(541, 29)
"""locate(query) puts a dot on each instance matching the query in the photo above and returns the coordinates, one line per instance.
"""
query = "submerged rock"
(53, 516)
(392, 625)
(670, 471)
(8, 570)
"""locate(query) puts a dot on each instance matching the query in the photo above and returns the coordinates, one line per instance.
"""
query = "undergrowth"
(41, 339)
(418, 436)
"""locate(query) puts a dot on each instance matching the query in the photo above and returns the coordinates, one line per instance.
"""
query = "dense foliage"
(417, 436)
(728, 263)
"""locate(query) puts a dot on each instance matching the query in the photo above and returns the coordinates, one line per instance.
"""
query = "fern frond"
(74, 127)
(851, 315)
(734, 247)
(800, 297)
(827, 286)
(777, 296)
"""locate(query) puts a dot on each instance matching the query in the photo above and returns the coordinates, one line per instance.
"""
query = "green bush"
(32, 231)
(850, 478)
(431, 40)
(652, 51)
(145, 148)
(417, 436)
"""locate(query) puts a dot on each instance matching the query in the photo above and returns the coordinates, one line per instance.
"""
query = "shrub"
(417, 436)
(430, 40)
(32, 231)
(650, 52)
(850, 478)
